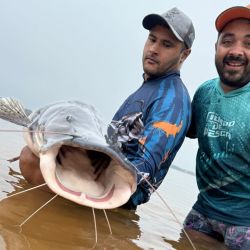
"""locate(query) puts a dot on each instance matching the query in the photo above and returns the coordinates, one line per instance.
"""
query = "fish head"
(60, 123)
(88, 177)
(76, 160)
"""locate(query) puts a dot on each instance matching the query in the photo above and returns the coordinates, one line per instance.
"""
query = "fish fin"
(13, 111)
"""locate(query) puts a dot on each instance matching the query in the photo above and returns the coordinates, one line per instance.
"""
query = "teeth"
(83, 196)
(235, 64)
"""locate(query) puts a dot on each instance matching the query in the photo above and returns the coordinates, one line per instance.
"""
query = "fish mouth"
(87, 177)
(106, 197)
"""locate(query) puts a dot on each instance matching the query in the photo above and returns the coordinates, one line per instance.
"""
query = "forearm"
(30, 168)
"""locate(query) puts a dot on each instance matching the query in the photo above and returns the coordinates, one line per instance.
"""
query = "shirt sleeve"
(165, 128)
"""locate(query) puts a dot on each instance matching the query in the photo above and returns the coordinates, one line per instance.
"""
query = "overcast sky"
(91, 50)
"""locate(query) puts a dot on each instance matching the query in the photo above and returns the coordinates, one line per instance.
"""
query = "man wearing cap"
(159, 111)
(220, 121)
(162, 100)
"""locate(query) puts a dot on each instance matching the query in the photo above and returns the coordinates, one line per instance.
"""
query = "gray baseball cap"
(180, 24)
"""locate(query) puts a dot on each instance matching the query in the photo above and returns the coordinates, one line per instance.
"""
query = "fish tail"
(13, 111)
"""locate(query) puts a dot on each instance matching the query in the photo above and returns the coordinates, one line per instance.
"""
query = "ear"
(185, 53)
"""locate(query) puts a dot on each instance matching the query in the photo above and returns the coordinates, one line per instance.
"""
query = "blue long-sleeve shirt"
(165, 106)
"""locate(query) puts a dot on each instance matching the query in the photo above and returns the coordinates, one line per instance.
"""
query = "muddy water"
(64, 225)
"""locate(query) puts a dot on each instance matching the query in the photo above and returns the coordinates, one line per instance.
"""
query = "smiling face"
(163, 52)
(233, 54)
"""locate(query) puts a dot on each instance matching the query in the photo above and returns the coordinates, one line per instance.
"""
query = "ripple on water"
(67, 226)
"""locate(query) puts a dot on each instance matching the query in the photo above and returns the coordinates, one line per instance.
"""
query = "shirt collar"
(162, 76)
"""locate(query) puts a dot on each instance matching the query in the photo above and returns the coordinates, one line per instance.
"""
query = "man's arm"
(155, 148)
(30, 168)
(163, 135)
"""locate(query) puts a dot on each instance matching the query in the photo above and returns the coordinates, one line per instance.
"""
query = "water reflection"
(67, 226)
(200, 241)
(62, 224)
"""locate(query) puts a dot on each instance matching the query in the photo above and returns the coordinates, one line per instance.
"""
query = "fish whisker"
(106, 216)
(45, 204)
(94, 218)
(167, 206)
(24, 191)
(35, 131)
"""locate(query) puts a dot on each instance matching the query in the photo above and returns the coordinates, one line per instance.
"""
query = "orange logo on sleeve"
(142, 140)
(168, 128)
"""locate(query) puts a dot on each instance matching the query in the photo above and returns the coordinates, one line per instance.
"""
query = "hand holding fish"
(29, 165)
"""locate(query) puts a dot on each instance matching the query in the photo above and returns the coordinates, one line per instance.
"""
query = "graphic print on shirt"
(129, 127)
(221, 130)
(217, 127)
(168, 128)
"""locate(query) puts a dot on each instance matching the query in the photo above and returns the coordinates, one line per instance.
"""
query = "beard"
(233, 78)
(159, 68)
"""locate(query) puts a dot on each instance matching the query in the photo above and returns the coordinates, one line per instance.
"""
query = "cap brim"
(231, 14)
(152, 20)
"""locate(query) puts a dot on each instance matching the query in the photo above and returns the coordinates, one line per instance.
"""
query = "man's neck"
(147, 77)
(226, 88)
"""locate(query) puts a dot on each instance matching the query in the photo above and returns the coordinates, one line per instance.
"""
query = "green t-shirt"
(221, 122)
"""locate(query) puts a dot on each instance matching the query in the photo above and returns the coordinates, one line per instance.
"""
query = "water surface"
(63, 225)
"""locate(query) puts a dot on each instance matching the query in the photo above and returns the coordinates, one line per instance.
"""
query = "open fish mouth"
(106, 197)
(95, 179)
(78, 160)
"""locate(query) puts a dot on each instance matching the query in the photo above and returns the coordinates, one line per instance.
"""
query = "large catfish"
(73, 125)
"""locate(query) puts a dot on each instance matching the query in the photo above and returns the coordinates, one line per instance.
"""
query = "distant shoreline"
(183, 170)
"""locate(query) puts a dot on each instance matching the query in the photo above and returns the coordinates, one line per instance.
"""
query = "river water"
(63, 225)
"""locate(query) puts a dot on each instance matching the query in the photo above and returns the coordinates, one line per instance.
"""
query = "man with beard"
(220, 121)
(162, 100)
(151, 124)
